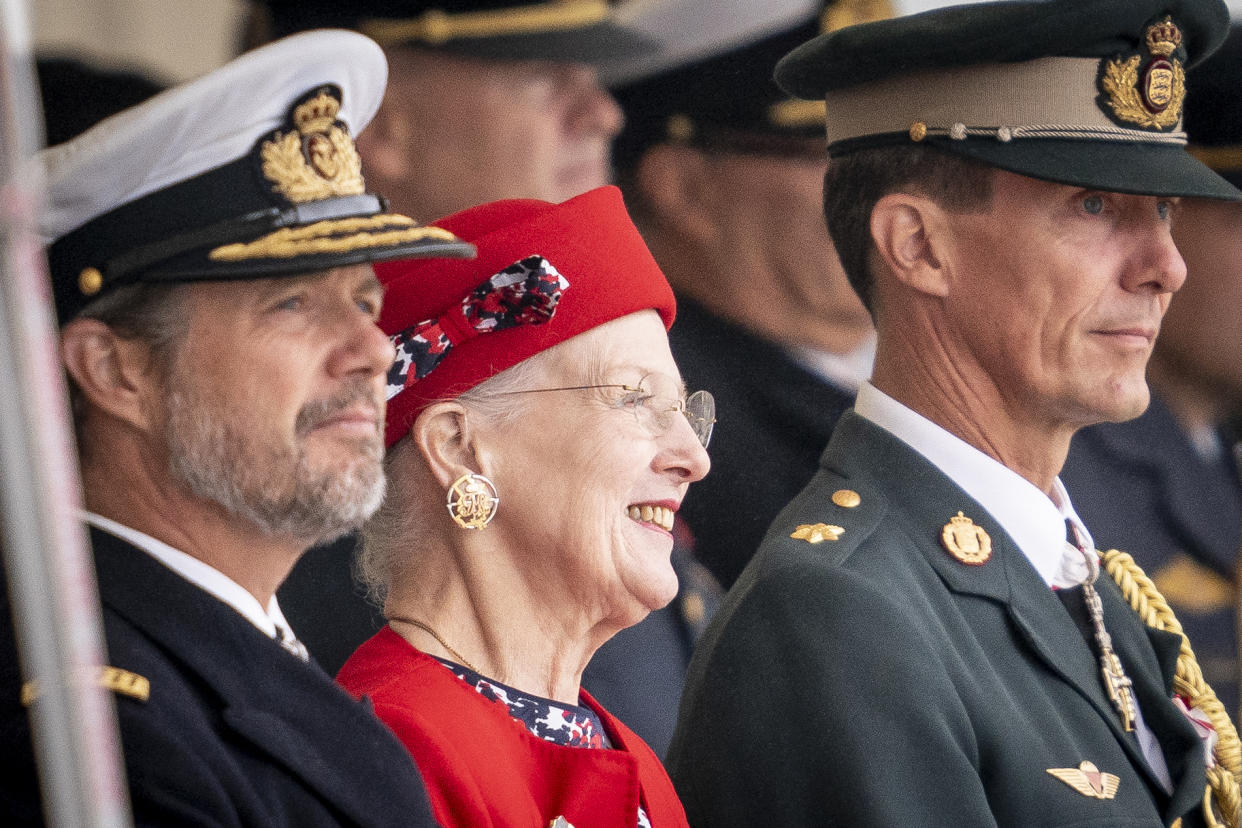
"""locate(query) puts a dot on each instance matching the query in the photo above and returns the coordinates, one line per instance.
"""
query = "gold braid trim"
(1224, 778)
(1221, 159)
(327, 237)
(436, 26)
(794, 113)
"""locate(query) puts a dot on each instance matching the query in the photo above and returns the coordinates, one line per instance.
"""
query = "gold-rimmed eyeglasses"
(656, 412)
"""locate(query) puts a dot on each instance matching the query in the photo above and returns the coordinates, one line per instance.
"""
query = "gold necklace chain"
(413, 622)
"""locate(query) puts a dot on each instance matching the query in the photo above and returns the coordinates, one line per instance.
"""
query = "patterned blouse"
(552, 721)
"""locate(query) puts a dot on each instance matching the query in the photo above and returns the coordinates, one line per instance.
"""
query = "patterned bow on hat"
(524, 293)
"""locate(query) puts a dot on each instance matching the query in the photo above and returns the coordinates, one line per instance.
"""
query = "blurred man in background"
(487, 99)
(724, 173)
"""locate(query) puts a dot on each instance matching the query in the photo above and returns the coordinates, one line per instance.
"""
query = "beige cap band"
(1046, 98)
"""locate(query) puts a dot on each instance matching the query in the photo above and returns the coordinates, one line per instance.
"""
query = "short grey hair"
(391, 537)
(152, 312)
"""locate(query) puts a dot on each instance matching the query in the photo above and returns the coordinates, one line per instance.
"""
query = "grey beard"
(272, 486)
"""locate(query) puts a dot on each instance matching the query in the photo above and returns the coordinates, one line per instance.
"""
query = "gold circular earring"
(472, 501)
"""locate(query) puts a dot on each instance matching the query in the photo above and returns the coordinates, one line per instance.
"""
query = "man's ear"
(444, 436)
(675, 181)
(113, 373)
(385, 142)
(908, 232)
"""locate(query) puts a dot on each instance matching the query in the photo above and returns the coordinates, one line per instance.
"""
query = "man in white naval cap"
(210, 254)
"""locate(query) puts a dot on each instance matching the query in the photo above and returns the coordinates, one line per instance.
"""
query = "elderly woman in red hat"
(534, 394)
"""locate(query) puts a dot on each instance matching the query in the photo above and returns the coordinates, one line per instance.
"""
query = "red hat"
(544, 273)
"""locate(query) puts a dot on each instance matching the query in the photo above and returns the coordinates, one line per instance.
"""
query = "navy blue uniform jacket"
(236, 732)
(876, 681)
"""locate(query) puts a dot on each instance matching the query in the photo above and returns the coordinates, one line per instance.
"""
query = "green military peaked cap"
(1081, 92)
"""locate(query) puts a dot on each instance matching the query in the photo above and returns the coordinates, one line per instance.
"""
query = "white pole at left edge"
(50, 575)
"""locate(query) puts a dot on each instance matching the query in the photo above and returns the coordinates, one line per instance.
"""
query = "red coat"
(499, 774)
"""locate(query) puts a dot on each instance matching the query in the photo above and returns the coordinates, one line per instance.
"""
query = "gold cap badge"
(965, 541)
(317, 158)
(1088, 780)
(817, 532)
(1152, 98)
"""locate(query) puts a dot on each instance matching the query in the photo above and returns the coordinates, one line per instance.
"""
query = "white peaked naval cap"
(249, 171)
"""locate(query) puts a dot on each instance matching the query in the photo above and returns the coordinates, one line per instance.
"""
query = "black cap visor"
(1111, 166)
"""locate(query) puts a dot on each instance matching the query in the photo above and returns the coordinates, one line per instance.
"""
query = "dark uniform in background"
(1147, 490)
(894, 654)
(776, 409)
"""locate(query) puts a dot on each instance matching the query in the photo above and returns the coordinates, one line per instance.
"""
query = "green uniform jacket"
(877, 681)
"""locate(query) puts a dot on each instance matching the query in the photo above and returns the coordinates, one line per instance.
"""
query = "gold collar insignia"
(817, 533)
(965, 541)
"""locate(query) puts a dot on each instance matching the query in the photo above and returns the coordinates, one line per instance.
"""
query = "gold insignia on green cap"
(1151, 98)
(315, 160)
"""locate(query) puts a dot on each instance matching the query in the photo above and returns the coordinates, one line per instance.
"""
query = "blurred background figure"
(487, 99)
(1165, 487)
(724, 174)
(78, 94)
(534, 391)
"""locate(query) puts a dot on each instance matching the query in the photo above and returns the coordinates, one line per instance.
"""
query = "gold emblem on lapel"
(968, 543)
(1152, 99)
(1088, 780)
(317, 158)
(817, 532)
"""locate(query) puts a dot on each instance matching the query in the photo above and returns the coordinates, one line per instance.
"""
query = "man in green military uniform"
(927, 635)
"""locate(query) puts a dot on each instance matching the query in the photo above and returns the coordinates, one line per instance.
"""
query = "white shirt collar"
(845, 371)
(1034, 521)
(270, 621)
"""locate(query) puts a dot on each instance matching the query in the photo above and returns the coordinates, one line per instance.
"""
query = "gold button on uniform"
(90, 281)
(846, 498)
